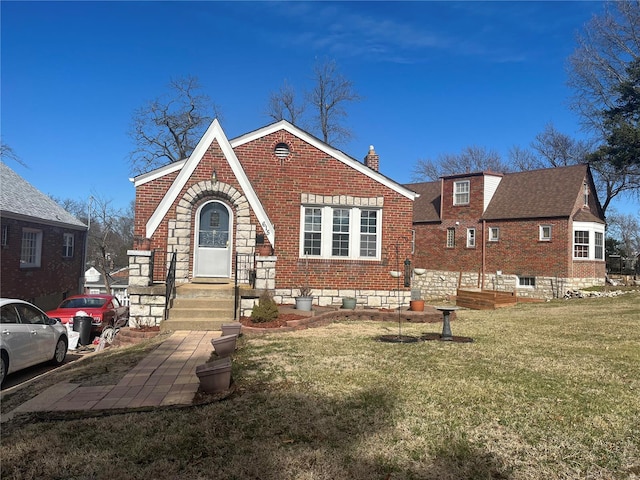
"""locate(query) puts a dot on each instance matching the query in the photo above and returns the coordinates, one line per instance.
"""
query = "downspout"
(483, 255)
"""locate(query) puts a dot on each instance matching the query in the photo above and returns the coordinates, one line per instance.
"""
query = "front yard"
(546, 390)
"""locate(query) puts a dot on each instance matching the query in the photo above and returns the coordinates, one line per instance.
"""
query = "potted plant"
(416, 304)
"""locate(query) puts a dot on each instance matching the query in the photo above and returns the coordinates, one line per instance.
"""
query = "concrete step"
(191, 290)
(194, 324)
(199, 303)
(200, 313)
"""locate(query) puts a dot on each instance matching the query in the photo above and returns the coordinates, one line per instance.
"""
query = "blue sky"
(435, 77)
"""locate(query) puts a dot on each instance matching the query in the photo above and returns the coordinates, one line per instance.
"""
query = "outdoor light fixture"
(214, 176)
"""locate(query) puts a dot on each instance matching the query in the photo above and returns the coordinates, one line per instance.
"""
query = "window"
(31, 249)
(527, 282)
(461, 193)
(585, 195)
(545, 233)
(451, 237)
(369, 233)
(67, 245)
(471, 237)
(5, 235)
(340, 241)
(599, 245)
(494, 234)
(581, 244)
(312, 243)
(341, 232)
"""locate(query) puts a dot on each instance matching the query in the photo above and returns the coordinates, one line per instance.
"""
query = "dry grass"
(545, 391)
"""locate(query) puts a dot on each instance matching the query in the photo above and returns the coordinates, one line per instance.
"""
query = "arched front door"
(213, 241)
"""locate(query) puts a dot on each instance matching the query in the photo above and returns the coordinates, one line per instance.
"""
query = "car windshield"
(86, 302)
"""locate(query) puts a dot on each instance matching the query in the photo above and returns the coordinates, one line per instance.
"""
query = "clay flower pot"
(416, 305)
(215, 377)
(224, 345)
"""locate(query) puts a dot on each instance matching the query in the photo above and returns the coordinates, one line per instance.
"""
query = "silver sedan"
(28, 337)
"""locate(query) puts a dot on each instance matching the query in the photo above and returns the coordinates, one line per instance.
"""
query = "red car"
(106, 311)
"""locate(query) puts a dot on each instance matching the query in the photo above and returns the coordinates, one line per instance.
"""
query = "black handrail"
(171, 282)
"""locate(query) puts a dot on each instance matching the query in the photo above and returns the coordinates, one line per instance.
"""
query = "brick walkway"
(167, 376)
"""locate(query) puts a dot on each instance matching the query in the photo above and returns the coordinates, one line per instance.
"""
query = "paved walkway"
(167, 376)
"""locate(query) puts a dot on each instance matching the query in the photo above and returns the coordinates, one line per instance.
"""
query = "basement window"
(527, 282)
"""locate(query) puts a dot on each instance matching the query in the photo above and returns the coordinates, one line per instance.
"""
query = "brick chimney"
(372, 160)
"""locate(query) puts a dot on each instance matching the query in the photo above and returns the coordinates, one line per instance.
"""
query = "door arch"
(213, 240)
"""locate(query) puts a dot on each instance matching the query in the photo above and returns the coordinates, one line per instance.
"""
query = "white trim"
(214, 132)
(592, 228)
(337, 154)
(157, 173)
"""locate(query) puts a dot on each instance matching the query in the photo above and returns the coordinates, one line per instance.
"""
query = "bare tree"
(626, 230)
(559, 150)
(608, 43)
(168, 128)
(284, 105)
(7, 153)
(523, 159)
(471, 159)
(331, 93)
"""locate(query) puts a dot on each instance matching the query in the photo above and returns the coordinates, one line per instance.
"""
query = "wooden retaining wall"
(485, 299)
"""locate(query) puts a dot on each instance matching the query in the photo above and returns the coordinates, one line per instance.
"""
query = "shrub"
(266, 310)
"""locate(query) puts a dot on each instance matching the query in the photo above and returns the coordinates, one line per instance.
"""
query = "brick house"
(43, 246)
(538, 232)
(325, 218)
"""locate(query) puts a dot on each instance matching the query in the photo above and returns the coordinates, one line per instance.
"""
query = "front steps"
(200, 306)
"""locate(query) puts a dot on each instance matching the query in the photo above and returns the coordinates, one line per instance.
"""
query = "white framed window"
(527, 282)
(341, 232)
(31, 248)
(494, 234)
(588, 241)
(461, 192)
(545, 233)
(471, 237)
(581, 244)
(599, 245)
(5, 235)
(451, 237)
(67, 245)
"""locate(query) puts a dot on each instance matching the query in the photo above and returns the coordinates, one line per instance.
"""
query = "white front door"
(213, 241)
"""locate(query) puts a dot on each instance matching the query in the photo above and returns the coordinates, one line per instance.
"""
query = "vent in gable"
(282, 150)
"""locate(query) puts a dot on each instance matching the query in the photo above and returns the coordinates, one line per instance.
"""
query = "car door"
(15, 337)
(42, 336)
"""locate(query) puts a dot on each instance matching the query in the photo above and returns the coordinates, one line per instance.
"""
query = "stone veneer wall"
(146, 301)
(440, 284)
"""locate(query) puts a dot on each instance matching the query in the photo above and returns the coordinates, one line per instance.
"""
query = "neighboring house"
(43, 246)
(537, 232)
(118, 282)
(332, 221)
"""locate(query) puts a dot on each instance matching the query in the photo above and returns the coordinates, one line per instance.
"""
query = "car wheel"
(60, 352)
(4, 365)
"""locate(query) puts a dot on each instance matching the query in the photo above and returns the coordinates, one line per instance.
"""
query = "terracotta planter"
(263, 250)
(416, 305)
(225, 345)
(215, 377)
(231, 328)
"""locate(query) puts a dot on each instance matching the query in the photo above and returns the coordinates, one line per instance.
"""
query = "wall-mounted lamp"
(214, 176)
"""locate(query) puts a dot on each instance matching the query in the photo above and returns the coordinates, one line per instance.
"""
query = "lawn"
(545, 391)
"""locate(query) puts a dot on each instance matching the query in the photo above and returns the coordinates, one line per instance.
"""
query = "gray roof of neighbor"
(545, 193)
(19, 198)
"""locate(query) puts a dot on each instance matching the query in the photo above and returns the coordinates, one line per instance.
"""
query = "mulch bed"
(281, 321)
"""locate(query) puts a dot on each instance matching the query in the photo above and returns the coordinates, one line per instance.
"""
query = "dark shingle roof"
(19, 198)
(546, 193)
(426, 208)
